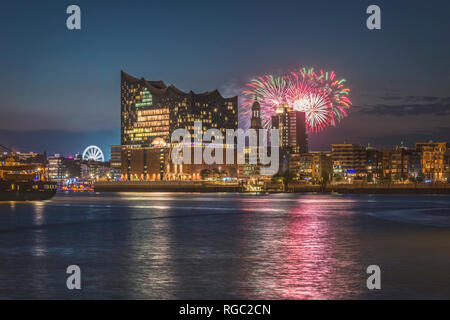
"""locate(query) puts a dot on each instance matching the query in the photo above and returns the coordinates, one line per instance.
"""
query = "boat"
(25, 182)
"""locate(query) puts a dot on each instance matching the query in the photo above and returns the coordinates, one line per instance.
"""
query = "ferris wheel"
(93, 153)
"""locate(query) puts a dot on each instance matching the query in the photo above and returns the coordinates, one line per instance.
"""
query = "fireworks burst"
(333, 87)
(316, 108)
(270, 92)
(322, 96)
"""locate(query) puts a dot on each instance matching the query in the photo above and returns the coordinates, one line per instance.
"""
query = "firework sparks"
(322, 96)
(316, 108)
(270, 92)
(334, 88)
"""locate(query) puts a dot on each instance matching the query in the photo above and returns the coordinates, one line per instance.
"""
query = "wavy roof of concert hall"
(159, 87)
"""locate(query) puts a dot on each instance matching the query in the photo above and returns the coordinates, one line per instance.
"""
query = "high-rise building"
(292, 129)
(292, 134)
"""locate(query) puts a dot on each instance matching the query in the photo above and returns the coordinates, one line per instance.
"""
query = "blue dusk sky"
(60, 89)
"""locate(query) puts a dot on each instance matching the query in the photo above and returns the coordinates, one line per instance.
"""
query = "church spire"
(256, 115)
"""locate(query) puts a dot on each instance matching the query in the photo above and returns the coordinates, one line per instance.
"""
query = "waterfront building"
(435, 159)
(395, 164)
(322, 169)
(13, 170)
(401, 164)
(301, 166)
(22, 157)
(94, 170)
(292, 134)
(374, 164)
(145, 163)
(151, 111)
(116, 162)
(29, 157)
(292, 129)
(155, 164)
(415, 166)
(349, 161)
(313, 166)
(56, 170)
(61, 169)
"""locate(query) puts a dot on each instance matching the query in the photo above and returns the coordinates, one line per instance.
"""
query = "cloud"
(390, 98)
(231, 89)
(441, 134)
(426, 99)
(410, 105)
(322, 141)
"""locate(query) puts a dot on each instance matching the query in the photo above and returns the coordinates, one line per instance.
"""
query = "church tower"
(256, 115)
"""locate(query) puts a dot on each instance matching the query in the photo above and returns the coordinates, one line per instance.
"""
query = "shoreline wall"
(164, 186)
(374, 188)
(201, 186)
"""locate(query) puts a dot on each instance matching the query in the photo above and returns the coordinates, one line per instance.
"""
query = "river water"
(226, 246)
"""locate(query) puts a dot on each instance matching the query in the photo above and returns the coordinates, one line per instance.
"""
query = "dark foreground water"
(212, 246)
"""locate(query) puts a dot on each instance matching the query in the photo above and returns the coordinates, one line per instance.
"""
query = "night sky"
(60, 89)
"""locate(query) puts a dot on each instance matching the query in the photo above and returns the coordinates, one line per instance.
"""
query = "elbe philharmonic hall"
(151, 111)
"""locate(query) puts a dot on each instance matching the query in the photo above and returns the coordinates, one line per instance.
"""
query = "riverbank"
(209, 187)
(374, 188)
(165, 186)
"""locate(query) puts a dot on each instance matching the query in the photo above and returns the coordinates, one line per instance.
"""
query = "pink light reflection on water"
(297, 254)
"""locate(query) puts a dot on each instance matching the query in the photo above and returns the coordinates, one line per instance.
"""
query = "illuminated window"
(147, 99)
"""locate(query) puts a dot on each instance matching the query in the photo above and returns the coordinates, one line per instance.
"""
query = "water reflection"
(224, 246)
(294, 255)
(150, 268)
(39, 277)
(12, 205)
(39, 245)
